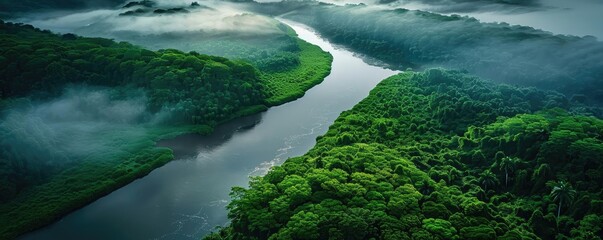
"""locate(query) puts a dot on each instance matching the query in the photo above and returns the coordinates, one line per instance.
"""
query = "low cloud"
(73, 126)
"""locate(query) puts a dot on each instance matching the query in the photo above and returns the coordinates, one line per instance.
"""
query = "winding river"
(186, 198)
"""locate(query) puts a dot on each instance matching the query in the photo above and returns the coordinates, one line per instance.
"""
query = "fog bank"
(81, 122)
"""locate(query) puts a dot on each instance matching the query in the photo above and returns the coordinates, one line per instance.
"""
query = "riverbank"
(84, 183)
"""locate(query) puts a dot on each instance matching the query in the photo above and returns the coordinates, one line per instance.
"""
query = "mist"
(72, 127)
(83, 125)
(210, 27)
(40, 138)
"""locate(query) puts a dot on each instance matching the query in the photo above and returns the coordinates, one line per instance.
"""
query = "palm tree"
(562, 192)
(508, 164)
(488, 179)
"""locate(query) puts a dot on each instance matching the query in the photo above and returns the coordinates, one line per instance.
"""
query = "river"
(186, 198)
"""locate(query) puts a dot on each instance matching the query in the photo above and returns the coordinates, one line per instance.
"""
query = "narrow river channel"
(186, 198)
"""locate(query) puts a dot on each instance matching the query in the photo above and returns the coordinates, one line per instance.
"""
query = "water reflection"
(189, 145)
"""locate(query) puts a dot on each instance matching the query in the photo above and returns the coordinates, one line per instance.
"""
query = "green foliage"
(478, 233)
(439, 227)
(269, 52)
(456, 140)
(562, 193)
(589, 228)
(508, 165)
(488, 178)
(83, 183)
(288, 66)
(284, 86)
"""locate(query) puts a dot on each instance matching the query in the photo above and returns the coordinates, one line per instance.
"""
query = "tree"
(487, 178)
(439, 227)
(562, 192)
(303, 225)
(508, 164)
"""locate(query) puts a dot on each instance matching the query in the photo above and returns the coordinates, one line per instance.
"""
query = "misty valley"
(301, 119)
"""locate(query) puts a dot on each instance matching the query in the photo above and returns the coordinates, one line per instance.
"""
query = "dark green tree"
(563, 193)
(508, 165)
(487, 178)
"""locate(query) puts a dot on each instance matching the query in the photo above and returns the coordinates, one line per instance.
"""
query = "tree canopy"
(196, 88)
(434, 155)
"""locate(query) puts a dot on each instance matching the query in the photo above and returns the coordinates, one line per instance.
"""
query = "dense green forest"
(191, 92)
(436, 155)
(274, 51)
(288, 66)
(191, 85)
(498, 51)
